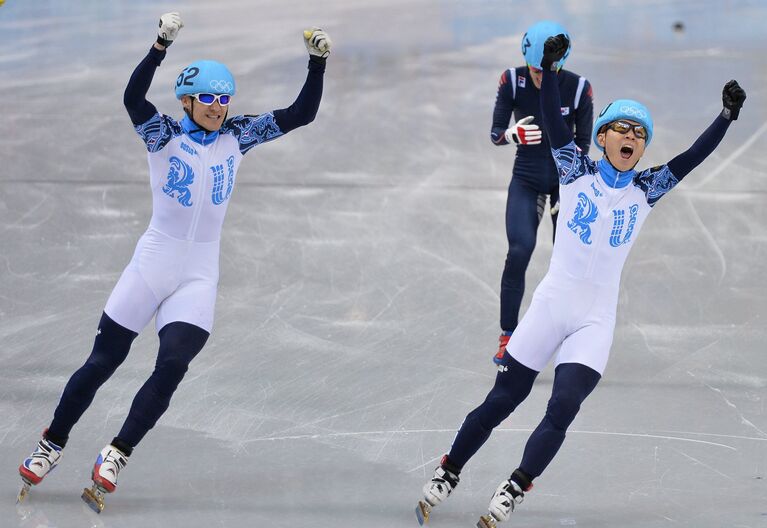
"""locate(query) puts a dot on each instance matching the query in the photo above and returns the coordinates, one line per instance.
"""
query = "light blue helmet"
(532, 42)
(624, 109)
(205, 76)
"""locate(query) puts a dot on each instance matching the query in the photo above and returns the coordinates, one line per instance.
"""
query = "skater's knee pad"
(562, 409)
(572, 384)
(182, 340)
(179, 344)
(513, 384)
(520, 250)
(111, 346)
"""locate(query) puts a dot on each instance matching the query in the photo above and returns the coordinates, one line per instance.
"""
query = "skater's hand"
(170, 25)
(732, 100)
(317, 42)
(523, 133)
(554, 209)
(553, 50)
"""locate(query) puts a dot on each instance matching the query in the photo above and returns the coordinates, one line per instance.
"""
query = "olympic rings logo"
(221, 86)
(633, 112)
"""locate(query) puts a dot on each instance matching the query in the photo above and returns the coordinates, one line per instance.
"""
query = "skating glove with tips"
(317, 42)
(553, 50)
(733, 97)
(170, 24)
(524, 133)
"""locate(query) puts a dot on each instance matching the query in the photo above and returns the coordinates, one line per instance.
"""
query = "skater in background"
(534, 175)
(173, 275)
(602, 208)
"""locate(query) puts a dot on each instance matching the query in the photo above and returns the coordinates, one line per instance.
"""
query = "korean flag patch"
(521, 81)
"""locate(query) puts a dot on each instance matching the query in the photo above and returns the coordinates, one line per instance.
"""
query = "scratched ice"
(360, 268)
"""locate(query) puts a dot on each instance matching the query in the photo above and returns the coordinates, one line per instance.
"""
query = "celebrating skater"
(534, 175)
(602, 208)
(173, 275)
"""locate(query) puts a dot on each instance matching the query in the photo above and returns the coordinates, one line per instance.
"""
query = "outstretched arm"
(139, 109)
(733, 97)
(304, 108)
(553, 123)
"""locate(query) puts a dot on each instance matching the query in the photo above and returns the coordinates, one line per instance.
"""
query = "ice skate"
(435, 491)
(34, 468)
(108, 465)
(508, 495)
(503, 340)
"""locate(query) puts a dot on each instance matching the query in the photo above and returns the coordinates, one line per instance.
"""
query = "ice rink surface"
(361, 263)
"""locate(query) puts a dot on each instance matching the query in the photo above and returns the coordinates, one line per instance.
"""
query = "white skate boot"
(508, 495)
(105, 471)
(435, 491)
(41, 462)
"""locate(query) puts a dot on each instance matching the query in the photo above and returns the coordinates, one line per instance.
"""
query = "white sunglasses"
(208, 99)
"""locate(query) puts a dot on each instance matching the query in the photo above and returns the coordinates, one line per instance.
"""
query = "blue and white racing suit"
(192, 172)
(572, 314)
(601, 213)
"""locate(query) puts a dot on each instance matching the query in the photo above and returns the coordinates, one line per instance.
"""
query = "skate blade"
(24, 492)
(486, 521)
(94, 498)
(422, 512)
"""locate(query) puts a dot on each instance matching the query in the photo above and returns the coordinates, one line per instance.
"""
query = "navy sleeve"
(584, 119)
(304, 108)
(553, 122)
(139, 109)
(504, 107)
(685, 162)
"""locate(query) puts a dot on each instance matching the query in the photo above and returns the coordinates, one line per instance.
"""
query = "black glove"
(553, 50)
(732, 99)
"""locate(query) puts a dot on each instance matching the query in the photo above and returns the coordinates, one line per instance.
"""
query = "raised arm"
(304, 108)
(139, 109)
(553, 123)
(733, 97)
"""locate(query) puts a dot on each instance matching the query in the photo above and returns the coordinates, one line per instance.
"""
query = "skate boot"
(439, 488)
(105, 471)
(506, 497)
(41, 462)
(503, 340)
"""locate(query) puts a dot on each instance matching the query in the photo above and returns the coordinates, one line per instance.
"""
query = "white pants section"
(568, 317)
(175, 279)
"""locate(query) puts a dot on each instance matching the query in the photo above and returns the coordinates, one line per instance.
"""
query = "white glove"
(317, 42)
(523, 133)
(170, 24)
(554, 208)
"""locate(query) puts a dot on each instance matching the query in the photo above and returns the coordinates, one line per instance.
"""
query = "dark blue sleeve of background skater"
(504, 107)
(553, 122)
(139, 109)
(304, 108)
(685, 162)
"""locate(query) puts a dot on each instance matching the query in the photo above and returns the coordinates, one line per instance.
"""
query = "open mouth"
(627, 151)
